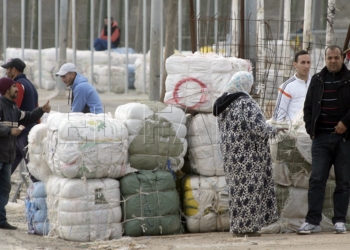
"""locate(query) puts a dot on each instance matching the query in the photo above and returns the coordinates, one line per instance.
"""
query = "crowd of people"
(323, 98)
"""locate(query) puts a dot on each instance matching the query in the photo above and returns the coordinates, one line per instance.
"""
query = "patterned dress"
(247, 166)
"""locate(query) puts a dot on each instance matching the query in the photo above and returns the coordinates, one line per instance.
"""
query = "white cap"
(65, 68)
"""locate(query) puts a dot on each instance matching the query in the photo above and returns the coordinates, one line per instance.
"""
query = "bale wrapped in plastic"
(151, 204)
(36, 209)
(84, 210)
(206, 204)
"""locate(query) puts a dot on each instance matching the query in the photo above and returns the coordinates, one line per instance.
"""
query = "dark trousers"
(5, 188)
(101, 44)
(21, 153)
(328, 149)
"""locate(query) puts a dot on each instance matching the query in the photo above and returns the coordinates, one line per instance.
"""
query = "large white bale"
(37, 165)
(195, 82)
(206, 204)
(100, 78)
(84, 210)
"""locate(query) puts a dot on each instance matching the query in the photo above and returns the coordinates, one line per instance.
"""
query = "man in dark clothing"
(27, 100)
(101, 42)
(327, 118)
(11, 120)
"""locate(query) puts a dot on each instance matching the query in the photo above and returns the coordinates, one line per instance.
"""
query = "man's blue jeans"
(5, 188)
(328, 149)
(101, 44)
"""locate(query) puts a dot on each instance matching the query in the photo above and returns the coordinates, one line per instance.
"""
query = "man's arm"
(20, 94)
(115, 35)
(80, 99)
(282, 104)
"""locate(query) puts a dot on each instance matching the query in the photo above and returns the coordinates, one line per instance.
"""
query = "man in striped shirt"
(291, 94)
(327, 119)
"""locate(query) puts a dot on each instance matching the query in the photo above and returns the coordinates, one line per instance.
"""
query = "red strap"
(20, 94)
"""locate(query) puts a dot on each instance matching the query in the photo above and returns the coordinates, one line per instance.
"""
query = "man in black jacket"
(27, 100)
(12, 119)
(327, 117)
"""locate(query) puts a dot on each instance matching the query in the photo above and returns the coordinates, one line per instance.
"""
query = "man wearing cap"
(84, 96)
(27, 100)
(11, 121)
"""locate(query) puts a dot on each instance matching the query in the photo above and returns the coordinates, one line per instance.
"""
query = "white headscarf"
(241, 81)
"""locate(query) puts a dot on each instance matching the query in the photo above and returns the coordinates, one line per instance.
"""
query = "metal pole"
(286, 38)
(307, 24)
(216, 14)
(23, 16)
(32, 20)
(62, 43)
(242, 33)
(193, 27)
(154, 83)
(4, 28)
(198, 8)
(144, 44)
(161, 41)
(92, 39)
(39, 41)
(126, 46)
(56, 33)
(179, 25)
(74, 31)
(109, 42)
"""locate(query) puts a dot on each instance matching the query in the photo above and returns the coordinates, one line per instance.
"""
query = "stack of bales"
(97, 75)
(36, 209)
(291, 157)
(194, 82)
(157, 146)
(85, 153)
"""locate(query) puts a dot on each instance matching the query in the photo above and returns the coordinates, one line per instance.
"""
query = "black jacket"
(12, 117)
(312, 105)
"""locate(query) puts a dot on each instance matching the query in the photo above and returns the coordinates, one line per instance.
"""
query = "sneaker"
(7, 226)
(307, 228)
(339, 228)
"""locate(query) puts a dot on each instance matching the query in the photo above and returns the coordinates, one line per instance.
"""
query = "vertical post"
(330, 22)
(216, 15)
(193, 28)
(234, 48)
(144, 44)
(161, 42)
(74, 19)
(32, 21)
(23, 16)
(242, 33)
(154, 83)
(198, 10)
(260, 47)
(126, 45)
(109, 42)
(39, 41)
(286, 38)
(307, 24)
(56, 35)
(92, 38)
(179, 25)
(4, 28)
(62, 58)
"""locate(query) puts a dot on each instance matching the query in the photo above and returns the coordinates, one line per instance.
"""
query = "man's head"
(8, 88)
(106, 20)
(14, 67)
(67, 72)
(302, 64)
(334, 59)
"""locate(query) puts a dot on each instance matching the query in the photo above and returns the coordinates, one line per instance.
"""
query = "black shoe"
(7, 226)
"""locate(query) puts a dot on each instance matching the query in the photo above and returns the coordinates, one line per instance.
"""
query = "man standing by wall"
(11, 119)
(291, 94)
(27, 100)
(327, 119)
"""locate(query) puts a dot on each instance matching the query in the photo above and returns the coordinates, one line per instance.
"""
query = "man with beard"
(11, 120)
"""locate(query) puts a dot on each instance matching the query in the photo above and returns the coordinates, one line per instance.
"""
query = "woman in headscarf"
(246, 156)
